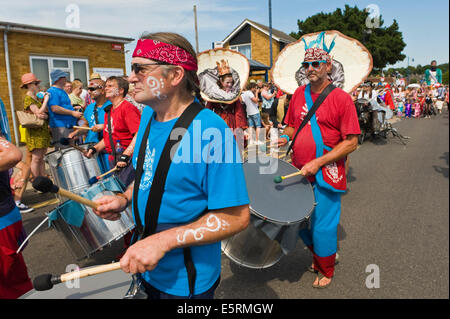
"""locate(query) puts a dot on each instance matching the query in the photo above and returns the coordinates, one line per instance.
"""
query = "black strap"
(99, 134)
(159, 180)
(108, 110)
(311, 112)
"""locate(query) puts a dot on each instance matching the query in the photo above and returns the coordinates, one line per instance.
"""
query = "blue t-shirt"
(92, 137)
(61, 98)
(206, 173)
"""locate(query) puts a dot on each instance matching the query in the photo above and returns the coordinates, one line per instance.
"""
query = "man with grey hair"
(62, 116)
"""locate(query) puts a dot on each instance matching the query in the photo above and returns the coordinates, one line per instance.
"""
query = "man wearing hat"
(94, 116)
(320, 150)
(62, 115)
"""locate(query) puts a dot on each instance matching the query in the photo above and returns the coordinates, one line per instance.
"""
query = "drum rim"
(277, 221)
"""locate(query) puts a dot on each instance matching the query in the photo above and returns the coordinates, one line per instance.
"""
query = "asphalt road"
(393, 235)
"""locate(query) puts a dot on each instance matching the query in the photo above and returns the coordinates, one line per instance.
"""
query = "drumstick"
(66, 141)
(46, 281)
(94, 179)
(82, 127)
(45, 185)
(279, 179)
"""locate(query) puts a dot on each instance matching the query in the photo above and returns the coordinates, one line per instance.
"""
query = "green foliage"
(384, 43)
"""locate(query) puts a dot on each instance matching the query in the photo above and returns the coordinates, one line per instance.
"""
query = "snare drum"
(72, 170)
(277, 213)
(83, 231)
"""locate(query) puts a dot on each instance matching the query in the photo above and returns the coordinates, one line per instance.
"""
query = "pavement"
(393, 235)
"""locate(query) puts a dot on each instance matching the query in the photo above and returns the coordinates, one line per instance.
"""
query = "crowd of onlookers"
(413, 101)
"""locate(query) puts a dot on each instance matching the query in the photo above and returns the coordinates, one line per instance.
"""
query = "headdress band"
(164, 52)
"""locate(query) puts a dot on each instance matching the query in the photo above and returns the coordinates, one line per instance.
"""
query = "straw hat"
(28, 78)
(95, 76)
(218, 62)
(352, 62)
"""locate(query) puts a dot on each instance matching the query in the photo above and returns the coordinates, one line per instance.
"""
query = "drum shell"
(95, 233)
(278, 211)
(71, 170)
(252, 248)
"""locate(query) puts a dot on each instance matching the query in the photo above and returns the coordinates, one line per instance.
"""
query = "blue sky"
(424, 24)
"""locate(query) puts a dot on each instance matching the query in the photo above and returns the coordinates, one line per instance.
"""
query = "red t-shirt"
(336, 118)
(125, 121)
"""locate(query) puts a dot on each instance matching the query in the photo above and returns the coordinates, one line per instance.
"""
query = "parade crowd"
(105, 116)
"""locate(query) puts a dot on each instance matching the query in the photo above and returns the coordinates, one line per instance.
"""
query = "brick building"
(26, 48)
(253, 40)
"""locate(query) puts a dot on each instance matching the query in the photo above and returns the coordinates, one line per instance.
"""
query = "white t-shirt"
(252, 107)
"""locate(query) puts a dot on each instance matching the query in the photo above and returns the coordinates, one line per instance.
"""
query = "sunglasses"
(94, 88)
(138, 67)
(314, 64)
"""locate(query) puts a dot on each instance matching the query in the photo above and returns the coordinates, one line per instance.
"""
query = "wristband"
(123, 196)
(285, 136)
(93, 149)
(124, 158)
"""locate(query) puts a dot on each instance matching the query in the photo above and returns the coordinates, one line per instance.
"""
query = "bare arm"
(339, 151)
(10, 155)
(60, 110)
(146, 253)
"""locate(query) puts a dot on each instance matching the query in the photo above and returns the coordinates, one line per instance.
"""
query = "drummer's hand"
(282, 141)
(110, 207)
(97, 128)
(144, 255)
(310, 168)
(72, 135)
(88, 154)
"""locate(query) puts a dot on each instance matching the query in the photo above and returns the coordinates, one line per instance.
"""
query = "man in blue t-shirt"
(62, 116)
(94, 117)
(204, 198)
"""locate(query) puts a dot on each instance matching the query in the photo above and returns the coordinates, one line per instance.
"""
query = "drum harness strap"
(108, 110)
(157, 187)
(99, 134)
(311, 112)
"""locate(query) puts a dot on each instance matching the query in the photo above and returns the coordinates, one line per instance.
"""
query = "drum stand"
(389, 129)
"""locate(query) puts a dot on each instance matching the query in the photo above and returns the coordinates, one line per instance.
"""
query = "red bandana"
(160, 51)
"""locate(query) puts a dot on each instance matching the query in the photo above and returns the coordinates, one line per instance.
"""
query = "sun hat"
(57, 74)
(95, 76)
(351, 61)
(212, 64)
(28, 78)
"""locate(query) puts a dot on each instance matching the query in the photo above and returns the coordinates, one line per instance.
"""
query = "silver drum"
(277, 213)
(92, 233)
(72, 170)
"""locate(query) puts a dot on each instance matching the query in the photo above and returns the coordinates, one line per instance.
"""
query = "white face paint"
(114, 92)
(4, 143)
(155, 85)
(213, 223)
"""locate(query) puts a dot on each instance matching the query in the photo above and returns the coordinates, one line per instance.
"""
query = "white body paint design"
(154, 84)
(213, 223)
(4, 143)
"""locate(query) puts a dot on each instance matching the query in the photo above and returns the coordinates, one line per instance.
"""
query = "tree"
(384, 43)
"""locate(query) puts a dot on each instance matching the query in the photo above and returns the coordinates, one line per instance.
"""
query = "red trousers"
(14, 280)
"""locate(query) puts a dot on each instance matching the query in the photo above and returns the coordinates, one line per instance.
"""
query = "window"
(245, 49)
(75, 68)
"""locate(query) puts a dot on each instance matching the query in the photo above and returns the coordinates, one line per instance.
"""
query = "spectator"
(62, 115)
(440, 105)
(37, 139)
(68, 87)
(19, 184)
(75, 96)
(250, 98)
